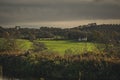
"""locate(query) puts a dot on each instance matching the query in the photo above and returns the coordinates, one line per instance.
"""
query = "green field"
(58, 46)
(24, 44)
(21, 44)
(63, 46)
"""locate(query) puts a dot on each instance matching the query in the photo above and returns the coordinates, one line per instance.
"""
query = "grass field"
(24, 44)
(63, 46)
(59, 46)
(21, 44)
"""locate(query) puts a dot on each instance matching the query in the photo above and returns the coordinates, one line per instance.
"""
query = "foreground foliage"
(51, 66)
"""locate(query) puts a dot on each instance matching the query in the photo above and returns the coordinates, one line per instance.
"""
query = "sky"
(58, 13)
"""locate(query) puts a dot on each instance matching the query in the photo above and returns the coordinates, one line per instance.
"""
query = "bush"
(38, 46)
(55, 67)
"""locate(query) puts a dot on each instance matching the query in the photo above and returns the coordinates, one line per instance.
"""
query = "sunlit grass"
(24, 44)
(21, 44)
(61, 46)
(58, 46)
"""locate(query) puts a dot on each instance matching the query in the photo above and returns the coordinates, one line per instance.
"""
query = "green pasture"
(64, 46)
(58, 46)
(24, 44)
(20, 44)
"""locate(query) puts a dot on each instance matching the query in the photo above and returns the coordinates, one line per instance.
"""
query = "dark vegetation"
(48, 65)
(94, 32)
(89, 66)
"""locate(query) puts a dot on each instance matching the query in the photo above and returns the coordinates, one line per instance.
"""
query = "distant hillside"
(102, 27)
(92, 31)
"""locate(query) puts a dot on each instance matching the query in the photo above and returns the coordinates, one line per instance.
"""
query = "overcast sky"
(58, 12)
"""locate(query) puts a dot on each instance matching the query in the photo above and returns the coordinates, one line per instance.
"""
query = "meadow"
(21, 44)
(67, 46)
(58, 46)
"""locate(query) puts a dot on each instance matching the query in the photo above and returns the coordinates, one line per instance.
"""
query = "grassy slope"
(24, 44)
(21, 44)
(62, 46)
(58, 46)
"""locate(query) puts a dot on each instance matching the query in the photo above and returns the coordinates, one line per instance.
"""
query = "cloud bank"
(30, 11)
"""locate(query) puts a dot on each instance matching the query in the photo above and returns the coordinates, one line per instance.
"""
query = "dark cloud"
(21, 11)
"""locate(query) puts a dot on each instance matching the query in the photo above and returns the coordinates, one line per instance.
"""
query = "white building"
(82, 39)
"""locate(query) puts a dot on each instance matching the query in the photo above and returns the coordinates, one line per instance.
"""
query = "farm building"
(82, 39)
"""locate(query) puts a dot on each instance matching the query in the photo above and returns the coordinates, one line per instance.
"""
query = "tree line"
(94, 33)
